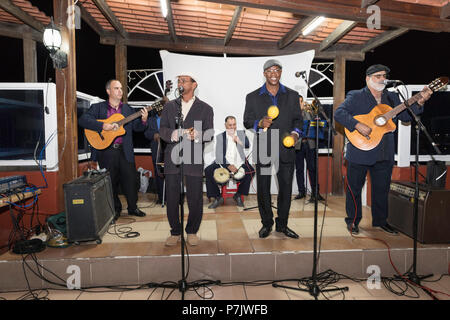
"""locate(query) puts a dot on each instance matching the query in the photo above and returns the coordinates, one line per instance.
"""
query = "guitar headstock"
(438, 84)
(168, 87)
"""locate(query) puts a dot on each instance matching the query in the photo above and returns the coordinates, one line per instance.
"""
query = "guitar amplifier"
(89, 207)
(433, 212)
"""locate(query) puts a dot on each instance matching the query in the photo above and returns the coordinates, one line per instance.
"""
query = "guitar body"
(378, 130)
(104, 139)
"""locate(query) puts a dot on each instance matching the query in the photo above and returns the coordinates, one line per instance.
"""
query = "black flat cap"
(376, 68)
(272, 62)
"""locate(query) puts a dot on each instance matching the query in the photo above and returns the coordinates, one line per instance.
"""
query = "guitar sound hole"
(380, 121)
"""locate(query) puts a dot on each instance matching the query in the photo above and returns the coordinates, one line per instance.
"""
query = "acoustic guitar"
(379, 119)
(102, 140)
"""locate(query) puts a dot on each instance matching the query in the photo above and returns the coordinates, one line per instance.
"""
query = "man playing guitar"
(378, 160)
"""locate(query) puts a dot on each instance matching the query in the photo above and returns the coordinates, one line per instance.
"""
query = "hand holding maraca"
(266, 122)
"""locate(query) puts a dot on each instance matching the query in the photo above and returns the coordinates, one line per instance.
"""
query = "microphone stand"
(412, 276)
(182, 285)
(313, 288)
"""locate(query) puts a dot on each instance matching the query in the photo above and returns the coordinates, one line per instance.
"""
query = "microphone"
(300, 73)
(388, 82)
(181, 90)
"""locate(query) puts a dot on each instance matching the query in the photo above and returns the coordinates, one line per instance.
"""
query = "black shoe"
(136, 212)
(288, 232)
(217, 202)
(319, 197)
(301, 195)
(238, 200)
(353, 229)
(388, 229)
(264, 232)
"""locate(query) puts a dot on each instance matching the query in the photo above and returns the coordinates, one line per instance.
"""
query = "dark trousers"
(159, 177)
(380, 175)
(285, 176)
(194, 196)
(212, 188)
(310, 155)
(122, 172)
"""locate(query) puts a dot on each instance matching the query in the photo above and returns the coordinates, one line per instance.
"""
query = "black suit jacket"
(192, 151)
(99, 111)
(289, 118)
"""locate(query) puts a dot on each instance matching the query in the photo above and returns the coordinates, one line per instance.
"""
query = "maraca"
(272, 113)
(288, 141)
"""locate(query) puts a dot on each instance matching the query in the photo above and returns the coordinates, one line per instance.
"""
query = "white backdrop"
(224, 82)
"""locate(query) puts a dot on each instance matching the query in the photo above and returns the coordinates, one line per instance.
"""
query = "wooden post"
(29, 57)
(66, 99)
(338, 142)
(121, 67)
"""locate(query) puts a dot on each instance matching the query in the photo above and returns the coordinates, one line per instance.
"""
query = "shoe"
(172, 240)
(353, 229)
(137, 213)
(389, 229)
(264, 232)
(301, 195)
(217, 202)
(192, 239)
(287, 232)
(238, 200)
(319, 197)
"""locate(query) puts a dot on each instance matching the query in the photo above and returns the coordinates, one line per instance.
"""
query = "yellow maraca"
(288, 141)
(272, 113)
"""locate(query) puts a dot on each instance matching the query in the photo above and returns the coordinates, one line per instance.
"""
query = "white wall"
(224, 82)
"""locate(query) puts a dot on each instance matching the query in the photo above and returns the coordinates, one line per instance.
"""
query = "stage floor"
(230, 249)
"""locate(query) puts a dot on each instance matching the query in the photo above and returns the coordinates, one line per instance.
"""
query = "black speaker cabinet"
(433, 214)
(89, 207)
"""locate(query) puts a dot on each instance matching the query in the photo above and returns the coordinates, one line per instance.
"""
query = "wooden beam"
(383, 38)
(121, 67)
(235, 46)
(110, 16)
(170, 24)
(232, 26)
(87, 17)
(341, 30)
(338, 140)
(445, 11)
(29, 57)
(366, 3)
(66, 102)
(17, 12)
(394, 13)
(14, 30)
(295, 32)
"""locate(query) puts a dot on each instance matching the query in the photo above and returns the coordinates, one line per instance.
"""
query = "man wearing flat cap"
(287, 123)
(197, 118)
(378, 161)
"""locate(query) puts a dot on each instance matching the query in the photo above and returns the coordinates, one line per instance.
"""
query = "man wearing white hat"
(185, 144)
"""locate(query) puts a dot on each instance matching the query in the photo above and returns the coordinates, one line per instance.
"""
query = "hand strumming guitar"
(363, 129)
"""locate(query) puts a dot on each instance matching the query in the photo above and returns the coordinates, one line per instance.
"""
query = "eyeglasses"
(273, 70)
(379, 76)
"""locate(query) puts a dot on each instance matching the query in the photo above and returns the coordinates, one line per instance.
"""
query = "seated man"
(230, 155)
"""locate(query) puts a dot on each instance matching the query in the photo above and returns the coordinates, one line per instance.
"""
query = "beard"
(377, 86)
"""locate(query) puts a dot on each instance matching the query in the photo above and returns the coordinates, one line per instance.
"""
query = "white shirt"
(186, 106)
(232, 156)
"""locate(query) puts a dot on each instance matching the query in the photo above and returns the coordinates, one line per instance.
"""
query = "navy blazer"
(289, 119)
(360, 102)
(99, 111)
(221, 146)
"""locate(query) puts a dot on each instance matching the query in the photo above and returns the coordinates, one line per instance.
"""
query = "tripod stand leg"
(313, 290)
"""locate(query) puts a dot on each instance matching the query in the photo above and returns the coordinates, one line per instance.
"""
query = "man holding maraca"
(273, 111)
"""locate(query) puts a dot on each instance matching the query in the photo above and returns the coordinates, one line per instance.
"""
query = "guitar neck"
(132, 117)
(402, 106)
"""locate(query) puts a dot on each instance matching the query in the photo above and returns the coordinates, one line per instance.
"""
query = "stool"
(229, 192)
